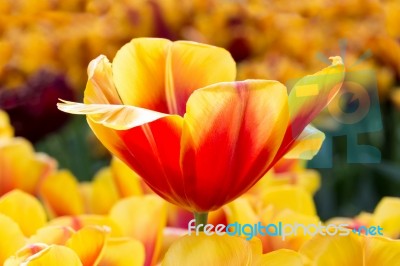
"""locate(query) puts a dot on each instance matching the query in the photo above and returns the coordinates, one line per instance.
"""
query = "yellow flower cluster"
(276, 40)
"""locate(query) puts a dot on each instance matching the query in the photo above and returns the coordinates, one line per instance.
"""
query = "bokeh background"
(46, 45)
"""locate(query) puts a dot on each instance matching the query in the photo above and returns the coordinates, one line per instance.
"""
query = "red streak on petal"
(76, 223)
(35, 248)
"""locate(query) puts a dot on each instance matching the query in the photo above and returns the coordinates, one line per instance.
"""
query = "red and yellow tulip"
(173, 112)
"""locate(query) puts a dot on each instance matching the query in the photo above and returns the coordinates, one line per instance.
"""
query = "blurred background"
(46, 45)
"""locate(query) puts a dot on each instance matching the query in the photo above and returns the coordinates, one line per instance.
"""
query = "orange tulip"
(173, 112)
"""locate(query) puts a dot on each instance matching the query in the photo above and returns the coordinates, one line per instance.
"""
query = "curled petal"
(82, 221)
(119, 117)
(306, 145)
(309, 96)
(53, 255)
(313, 93)
(88, 243)
(100, 88)
(57, 235)
(23, 254)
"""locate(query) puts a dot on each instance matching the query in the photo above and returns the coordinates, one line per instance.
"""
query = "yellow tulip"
(351, 250)
(225, 250)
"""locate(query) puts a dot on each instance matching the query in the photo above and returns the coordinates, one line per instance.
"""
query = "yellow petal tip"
(336, 60)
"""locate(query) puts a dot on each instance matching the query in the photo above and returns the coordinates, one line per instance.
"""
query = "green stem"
(201, 218)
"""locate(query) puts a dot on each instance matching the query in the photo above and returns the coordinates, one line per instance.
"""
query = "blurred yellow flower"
(21, 168)
(351, 250)
(225, 250)
(285, 204)
(385, 215)
(6, 130)
(64, 195)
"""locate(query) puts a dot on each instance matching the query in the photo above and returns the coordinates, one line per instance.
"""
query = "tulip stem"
(201, 218)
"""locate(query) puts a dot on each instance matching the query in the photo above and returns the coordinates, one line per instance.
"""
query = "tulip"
(385, 215)
(6, 130)
(352, 249)
(225, 250)
(173, 113)
(21, 167)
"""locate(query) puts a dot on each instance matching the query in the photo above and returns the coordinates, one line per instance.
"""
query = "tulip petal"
(119, 117)
(24, 209)
(54, 255)
(104, 192)
(381, 251)
(135, 213)
(293, 241)
(313, 93)
(170, 235)
(334, 250)
(57, 235)
(167, 69)
(11, 237)
(306, 145)
(88, 244)
(387, 215)
(209, 64)
(139, 73)
(81, 221)
(212, 250)
(100, 88)
(60, 193)
(127, 181)
(123, 252)
(6, 130)
(282, 257)
(24, 253)
(21, 167)
(230, 135)
(152, 150)
(309, 96)
(290, 197)
(241, 211)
